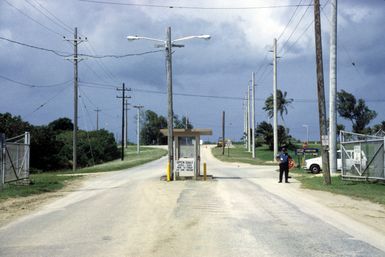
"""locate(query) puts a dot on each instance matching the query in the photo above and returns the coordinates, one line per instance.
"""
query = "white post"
(245, 122)
(253, 113)
(27, 143)
(137, 133)
(275, 118)
(333, 89)
(138, 107)
(248, 120)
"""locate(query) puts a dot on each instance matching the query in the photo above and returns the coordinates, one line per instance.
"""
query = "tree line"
(51, 145)
(348, 107)
(152, 123)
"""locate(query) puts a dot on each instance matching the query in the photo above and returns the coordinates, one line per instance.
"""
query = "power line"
(55, 17)
(48, 101)
(346, 50)
(34, 85)
(101, 64)
(192, 7)
(119, 56)
(295, 28)
(48, 17)
(113, 87)
(291, 18)
(85, 124)
(29, 17)
(64, 54)
(93, 71)
(89, 100)
(56, 52)
(306, 29)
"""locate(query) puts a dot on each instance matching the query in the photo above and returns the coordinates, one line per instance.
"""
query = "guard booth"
(187, 158)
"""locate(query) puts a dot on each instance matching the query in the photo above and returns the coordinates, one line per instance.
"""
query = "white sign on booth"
(184, 164)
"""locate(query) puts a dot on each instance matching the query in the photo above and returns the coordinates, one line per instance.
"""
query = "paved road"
(244, 212)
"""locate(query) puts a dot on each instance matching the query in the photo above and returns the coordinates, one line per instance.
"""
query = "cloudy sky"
(242, 34)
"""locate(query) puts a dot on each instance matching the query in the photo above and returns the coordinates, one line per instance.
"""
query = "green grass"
(240, 154)
(53, 181)
(360, 190)
(40, 183)
(131, 159)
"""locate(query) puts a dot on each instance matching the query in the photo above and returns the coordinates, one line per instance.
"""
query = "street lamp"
(307, 132)
(167, 45)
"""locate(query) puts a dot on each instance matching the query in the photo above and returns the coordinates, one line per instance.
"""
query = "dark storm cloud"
(220, 66)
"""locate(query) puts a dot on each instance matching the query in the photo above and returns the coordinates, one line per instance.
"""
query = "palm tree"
(282, 104)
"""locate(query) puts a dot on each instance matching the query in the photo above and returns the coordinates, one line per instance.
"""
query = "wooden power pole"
(321, 94)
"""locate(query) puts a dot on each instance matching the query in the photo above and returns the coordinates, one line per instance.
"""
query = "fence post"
(2, 162)
(27, 149)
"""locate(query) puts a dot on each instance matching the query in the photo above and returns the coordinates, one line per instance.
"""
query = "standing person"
(283, 160)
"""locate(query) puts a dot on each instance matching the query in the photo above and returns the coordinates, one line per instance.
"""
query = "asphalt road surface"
(243, 212)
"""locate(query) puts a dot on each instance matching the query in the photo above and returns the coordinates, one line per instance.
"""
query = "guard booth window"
(186, 147)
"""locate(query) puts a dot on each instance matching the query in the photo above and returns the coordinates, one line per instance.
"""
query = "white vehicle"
(354, 160)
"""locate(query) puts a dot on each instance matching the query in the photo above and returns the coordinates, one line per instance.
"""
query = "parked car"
(353, 160)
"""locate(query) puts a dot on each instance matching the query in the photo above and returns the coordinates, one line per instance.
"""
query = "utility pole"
(253, 114)
(75, 59)
(76, 97)
(97, 117)
(170, 113)
(244, 122)
(333, 89)
(248, 120)
(138, 107)
(223, 133)
(123, 97)
(321, 93)
(186, 122)
(275, 117)
(126, 109)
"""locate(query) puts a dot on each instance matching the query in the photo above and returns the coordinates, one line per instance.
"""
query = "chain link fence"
(362, 156)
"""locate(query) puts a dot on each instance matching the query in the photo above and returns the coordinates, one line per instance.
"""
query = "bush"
(51, 146)
(93, 147)
(265, 132)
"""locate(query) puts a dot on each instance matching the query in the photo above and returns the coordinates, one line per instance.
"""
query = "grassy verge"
(40, 183)
(360, 190)
(131, 159)
(239, 154)
(53, 181)
(357, 189)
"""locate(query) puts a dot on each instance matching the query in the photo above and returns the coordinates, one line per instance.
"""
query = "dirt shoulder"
(362, 211)
(13, 208)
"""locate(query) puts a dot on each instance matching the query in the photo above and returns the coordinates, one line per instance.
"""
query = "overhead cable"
(65, 54)
(34, 85)
(191, 7)
(29, 17)
(56, 52)
(48, 17)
